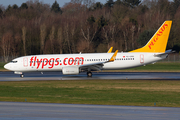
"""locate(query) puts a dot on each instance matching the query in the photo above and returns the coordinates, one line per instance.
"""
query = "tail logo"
(156, 37)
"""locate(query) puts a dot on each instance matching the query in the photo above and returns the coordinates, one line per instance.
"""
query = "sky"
(5, 3)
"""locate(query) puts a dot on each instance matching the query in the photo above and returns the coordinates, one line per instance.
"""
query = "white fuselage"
(56, 62)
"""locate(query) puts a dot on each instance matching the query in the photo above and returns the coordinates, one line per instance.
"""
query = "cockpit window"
(13, 61)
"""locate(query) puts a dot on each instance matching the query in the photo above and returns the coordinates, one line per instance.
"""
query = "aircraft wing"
(97, 65)
(93, 66)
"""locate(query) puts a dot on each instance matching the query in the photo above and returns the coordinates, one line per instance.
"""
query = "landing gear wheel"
(89, 74)
(21, 75)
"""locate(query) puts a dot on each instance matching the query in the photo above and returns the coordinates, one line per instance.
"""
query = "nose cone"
(7, 66)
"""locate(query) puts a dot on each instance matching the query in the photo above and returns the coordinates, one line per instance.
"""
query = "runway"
(10, 76)
(46, 111)
(53, 111)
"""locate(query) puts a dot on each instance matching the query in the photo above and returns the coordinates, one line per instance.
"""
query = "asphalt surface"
(47, 111)
(10, 76)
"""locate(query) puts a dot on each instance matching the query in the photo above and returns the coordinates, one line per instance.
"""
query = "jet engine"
(70, 70)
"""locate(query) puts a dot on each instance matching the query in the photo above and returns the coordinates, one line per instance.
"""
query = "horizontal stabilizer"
(167, 52)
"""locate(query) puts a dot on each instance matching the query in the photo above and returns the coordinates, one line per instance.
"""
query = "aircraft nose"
(7, 66)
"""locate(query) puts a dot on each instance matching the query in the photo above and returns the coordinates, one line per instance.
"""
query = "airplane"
(72, 64)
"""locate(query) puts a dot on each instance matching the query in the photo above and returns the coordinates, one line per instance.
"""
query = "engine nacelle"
(70, 70)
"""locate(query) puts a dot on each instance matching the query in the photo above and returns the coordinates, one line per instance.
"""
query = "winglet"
(110, 50)
(113, 57)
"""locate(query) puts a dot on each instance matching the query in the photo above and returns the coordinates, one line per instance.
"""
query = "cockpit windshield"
(13, 61)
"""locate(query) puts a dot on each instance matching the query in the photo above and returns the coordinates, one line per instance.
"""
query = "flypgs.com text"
(35, 61)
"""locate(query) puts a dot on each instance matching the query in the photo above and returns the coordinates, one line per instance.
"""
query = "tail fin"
(158, 43)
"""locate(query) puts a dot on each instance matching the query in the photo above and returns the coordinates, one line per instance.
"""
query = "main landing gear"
(22, 75)
(89, 74)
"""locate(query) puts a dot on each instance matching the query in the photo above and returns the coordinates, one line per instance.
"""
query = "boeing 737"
(71, 64)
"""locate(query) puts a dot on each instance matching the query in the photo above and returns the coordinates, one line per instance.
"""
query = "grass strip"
(104, 92)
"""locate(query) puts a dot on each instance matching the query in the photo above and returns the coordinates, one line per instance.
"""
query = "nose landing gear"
(20, 73)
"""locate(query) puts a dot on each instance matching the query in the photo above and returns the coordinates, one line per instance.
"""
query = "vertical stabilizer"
(158, 43)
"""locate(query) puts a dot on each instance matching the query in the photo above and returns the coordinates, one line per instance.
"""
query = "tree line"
(84, 26)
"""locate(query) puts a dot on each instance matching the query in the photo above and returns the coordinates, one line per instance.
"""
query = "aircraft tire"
(89, 74)
(21, 75)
